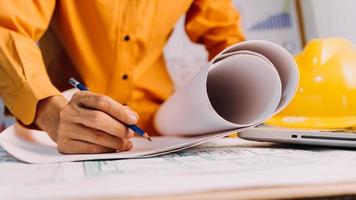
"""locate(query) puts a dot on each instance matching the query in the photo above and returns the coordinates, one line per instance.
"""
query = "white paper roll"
(242, 86)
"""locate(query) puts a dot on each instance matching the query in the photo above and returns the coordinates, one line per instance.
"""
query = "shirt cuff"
(30, 94)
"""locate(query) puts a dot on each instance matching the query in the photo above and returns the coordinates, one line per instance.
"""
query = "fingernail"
(132, 118)
(130, 134)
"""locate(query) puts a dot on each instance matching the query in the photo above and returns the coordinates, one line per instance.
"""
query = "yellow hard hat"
(326, 97)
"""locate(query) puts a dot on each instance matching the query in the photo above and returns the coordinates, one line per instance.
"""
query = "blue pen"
(135, 128)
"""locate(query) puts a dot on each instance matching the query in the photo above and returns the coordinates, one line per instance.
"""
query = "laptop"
(332, 138)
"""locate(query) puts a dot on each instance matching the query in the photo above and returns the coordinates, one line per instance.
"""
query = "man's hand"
(89, 123)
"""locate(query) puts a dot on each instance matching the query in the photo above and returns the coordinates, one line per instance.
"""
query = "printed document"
(223, 164)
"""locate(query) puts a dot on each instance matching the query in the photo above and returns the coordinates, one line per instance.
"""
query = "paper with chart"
(241, 87)
(230, 163)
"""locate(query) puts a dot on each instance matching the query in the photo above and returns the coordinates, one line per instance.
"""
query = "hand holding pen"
(133, 127)
(88, 123)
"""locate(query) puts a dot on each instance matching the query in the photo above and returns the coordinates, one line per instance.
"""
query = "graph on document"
(276, 21)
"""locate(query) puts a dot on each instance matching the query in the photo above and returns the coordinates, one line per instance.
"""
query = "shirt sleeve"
(23, 77)
(216, 24)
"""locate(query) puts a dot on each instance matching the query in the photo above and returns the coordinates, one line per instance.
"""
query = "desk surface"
(328, 191)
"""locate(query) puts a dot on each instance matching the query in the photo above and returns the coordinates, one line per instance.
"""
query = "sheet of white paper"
(41, 149)
(242, 86)
(220, 165)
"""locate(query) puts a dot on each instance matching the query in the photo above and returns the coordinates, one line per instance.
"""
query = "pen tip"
(146, 136)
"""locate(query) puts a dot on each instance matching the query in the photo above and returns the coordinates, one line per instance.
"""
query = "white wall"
(329, 18)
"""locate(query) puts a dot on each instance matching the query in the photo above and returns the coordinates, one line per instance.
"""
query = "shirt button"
(125, 77)
(126, 38)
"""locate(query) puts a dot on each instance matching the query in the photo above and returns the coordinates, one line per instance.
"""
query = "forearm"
(216, 24)
(24, 80)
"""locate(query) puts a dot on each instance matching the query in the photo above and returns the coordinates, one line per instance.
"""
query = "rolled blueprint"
(242, 86)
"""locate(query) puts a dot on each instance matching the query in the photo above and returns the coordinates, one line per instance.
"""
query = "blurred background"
(289, 23)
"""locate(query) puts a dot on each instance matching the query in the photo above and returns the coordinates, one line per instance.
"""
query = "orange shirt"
(116, 47)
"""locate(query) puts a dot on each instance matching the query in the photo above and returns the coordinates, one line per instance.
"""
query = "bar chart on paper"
(277, 21)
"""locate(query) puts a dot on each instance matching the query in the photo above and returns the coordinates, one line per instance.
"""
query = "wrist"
(47, 114)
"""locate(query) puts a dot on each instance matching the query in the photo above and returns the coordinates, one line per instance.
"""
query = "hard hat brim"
(319, 123)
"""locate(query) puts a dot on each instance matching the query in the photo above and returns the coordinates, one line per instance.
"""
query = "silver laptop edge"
(293, 136)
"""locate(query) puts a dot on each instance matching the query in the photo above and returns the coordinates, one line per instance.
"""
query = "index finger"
(107, 105)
